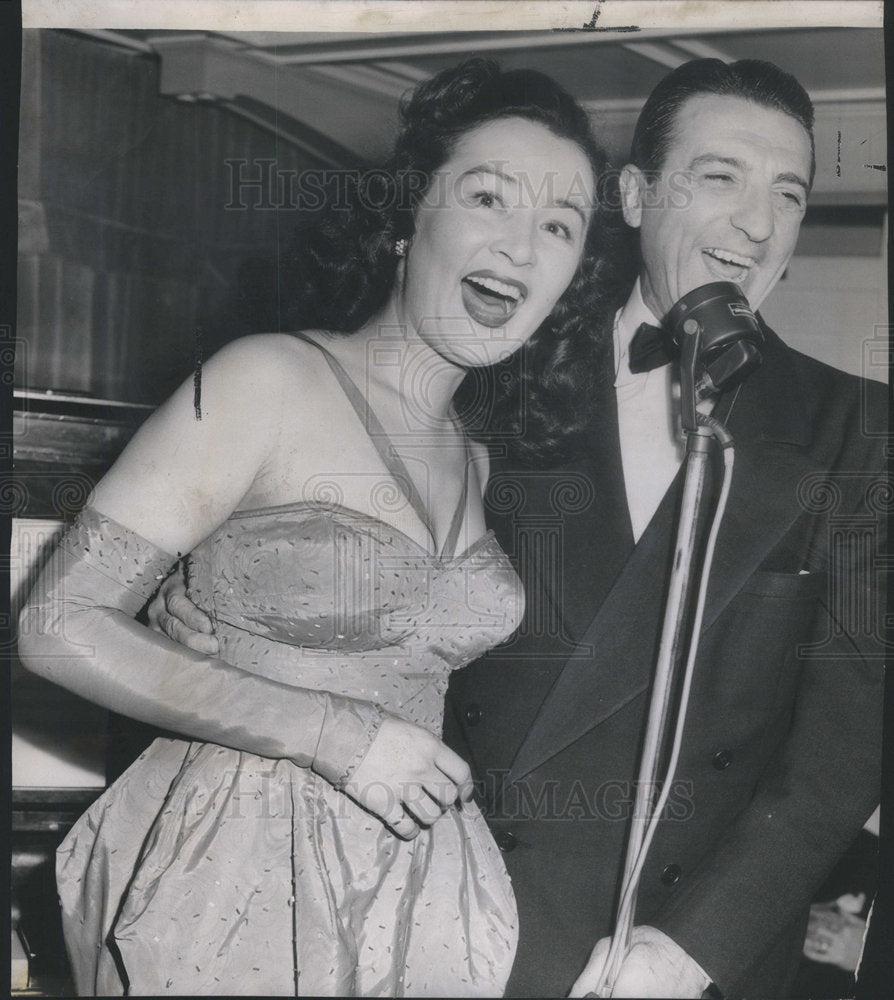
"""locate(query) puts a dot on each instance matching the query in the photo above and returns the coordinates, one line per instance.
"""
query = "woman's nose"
(753, 214)
(515, 239)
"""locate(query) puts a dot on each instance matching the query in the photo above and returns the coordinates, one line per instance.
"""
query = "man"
(780, 761)
(779, 766)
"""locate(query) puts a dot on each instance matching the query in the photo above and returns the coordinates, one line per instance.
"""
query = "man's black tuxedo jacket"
(780, 764)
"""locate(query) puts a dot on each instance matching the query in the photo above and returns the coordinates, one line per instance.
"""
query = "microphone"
(720, 342)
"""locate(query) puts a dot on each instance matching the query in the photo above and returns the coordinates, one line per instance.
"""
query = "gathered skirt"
(205, 870)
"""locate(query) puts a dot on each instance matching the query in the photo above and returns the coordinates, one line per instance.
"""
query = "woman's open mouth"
(489, 300)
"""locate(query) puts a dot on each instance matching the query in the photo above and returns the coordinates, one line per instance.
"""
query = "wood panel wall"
(126, 242)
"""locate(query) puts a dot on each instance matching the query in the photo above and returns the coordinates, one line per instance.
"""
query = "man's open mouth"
(489, 300)
(728, 265)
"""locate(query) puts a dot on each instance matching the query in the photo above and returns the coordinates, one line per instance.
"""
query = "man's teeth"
(500, 287)
(729, 258)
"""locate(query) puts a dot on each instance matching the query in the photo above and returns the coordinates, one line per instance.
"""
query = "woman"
(331, 505)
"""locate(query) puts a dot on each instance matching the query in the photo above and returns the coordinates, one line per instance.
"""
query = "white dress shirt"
(652, 448)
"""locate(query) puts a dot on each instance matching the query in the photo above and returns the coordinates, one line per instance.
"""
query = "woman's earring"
(400, 247)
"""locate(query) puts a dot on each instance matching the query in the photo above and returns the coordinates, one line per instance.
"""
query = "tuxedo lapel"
(612, 663)
(614, 660)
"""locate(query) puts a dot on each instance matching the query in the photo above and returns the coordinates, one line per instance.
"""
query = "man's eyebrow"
(484, 168)
(731, 161)
(790, 178)
(727, 161)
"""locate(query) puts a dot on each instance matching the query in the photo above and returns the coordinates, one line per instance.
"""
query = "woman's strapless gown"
(206, 870)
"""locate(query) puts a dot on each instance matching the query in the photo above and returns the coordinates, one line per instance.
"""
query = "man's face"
(728, 203)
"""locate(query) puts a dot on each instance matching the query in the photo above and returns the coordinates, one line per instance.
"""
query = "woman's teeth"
(489, 301)
(495, 285)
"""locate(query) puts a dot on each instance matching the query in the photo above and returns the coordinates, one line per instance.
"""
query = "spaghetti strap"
(448, 551)
(388, 453)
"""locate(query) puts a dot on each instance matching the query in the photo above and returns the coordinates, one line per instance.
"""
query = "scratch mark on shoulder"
(197, 376)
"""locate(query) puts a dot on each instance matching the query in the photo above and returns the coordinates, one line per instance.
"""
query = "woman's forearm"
(77, 630)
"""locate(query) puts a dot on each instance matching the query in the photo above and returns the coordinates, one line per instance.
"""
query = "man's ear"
(632, 183)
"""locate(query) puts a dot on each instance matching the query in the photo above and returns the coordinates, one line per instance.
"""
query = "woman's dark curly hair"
(343, 270)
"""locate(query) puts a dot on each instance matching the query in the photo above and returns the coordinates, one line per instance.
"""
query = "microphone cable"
(619, 946)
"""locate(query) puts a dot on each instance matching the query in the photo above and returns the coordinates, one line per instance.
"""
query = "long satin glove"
(77, 630)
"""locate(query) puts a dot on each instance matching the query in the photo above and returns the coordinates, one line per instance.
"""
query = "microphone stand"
(670, 653)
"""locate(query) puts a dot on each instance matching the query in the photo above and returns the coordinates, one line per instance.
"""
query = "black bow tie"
(651, 347)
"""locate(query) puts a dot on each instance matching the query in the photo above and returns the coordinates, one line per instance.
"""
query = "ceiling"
(337, 93)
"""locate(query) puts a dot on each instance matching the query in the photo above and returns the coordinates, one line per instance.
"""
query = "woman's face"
(499, 235)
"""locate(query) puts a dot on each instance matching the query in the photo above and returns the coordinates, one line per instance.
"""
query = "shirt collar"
(627, 322)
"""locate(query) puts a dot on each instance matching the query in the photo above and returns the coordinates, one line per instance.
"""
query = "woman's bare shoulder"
(275, 360)
(190, 464)
(246, 383)
(261, 355)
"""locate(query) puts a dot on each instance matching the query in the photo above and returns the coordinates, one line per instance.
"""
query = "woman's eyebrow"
(485, 168)
(564, 203)
(496, 172)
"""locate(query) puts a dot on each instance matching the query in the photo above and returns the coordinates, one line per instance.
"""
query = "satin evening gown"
(207, 870)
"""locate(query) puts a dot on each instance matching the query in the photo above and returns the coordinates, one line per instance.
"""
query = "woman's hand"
(173, 614)
(409, 777)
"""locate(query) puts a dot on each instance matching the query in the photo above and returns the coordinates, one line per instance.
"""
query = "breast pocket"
(786, 586)
(749, 656)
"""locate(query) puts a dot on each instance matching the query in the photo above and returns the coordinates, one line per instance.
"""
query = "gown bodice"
(295, 592)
